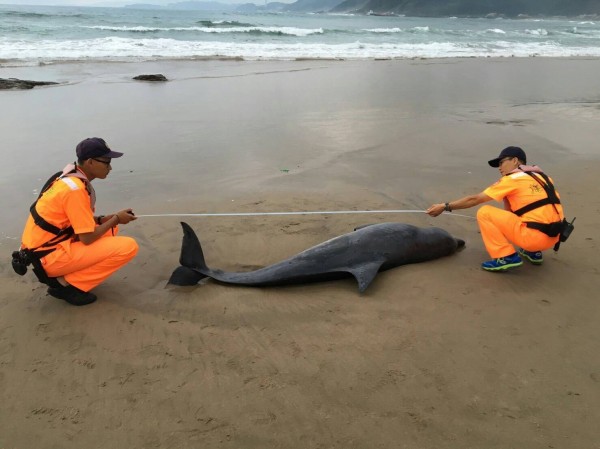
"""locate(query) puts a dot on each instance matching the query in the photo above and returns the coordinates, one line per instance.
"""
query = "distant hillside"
(473, 8)
(269, 7)
(312, 5)
(202, 6)
(143, 6)
(186, 5)
(418, 8)
(259, 6)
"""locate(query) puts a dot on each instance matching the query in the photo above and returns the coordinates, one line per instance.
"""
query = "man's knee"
(128, 248)
(484, 212)
(131, 247)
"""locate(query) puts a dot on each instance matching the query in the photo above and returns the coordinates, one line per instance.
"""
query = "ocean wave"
(538, 32)
(583, 32)
(29, 15)
(38, 15)
(13, 29)
(123, 49)
(383, 30)
(433, 31)
(47, 34)
(280, 31)
(223, 23)
(414, 30)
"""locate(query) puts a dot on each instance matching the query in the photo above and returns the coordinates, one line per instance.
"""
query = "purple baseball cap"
(95, 147)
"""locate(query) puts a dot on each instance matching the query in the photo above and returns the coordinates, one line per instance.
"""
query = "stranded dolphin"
(361, 253)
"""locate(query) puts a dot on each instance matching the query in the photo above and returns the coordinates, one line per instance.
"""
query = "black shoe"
(72, 295)
(53, 283)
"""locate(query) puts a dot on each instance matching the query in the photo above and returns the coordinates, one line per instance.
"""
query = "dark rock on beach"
(14, 83)
(157, 77)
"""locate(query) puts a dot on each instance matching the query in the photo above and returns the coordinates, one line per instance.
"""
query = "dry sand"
(435, 355)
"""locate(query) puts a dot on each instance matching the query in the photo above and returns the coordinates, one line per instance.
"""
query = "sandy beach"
(434, 355)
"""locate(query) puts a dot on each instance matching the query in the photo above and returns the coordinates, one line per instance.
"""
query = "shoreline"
(18, 64)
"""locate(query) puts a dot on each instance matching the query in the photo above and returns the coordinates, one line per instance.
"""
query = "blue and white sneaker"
(503, 263)
(535, 257)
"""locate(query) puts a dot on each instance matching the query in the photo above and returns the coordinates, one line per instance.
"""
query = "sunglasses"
(100, 160)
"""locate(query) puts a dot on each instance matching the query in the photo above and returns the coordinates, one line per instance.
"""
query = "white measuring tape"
(320, 212)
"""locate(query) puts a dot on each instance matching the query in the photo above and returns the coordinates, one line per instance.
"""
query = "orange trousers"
(500, 228)
(87, 266)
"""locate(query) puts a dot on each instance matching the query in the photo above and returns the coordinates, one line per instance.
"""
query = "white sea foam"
(495, 31)
(292, 31)
(538, 32)
(383, 30)
(123, 49)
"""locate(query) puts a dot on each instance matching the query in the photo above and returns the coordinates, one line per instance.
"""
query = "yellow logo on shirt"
(535, 188)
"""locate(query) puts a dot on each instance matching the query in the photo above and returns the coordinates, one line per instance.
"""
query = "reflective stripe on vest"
(60, 235)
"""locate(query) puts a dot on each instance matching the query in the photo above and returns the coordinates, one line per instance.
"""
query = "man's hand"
(463, 203)
(435, 209)
(125, 216)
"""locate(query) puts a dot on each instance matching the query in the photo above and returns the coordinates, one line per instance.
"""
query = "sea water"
(31, 35)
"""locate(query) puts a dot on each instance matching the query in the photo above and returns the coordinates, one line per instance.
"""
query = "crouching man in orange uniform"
(532, 216)
(71, 250)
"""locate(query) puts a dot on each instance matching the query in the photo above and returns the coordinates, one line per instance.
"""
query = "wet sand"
(433, 355)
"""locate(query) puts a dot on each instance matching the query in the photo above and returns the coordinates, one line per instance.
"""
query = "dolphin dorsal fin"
(365, 273)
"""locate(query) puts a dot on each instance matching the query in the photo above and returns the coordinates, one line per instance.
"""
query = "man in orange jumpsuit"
(75, 249)
(531, 218)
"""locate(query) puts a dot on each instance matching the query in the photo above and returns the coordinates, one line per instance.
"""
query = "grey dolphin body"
(361, 253)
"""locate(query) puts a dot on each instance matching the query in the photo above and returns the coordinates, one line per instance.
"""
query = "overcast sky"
(106, 2)
(79, 2)
(61, 2)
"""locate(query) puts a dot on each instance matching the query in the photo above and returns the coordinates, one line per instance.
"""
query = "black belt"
(550, 229)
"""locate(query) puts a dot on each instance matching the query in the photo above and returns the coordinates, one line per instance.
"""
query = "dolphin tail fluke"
(191, 251)
(365, 274)
(183, 276)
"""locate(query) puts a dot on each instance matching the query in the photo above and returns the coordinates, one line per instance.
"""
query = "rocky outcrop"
(157, 77)
(14, 84)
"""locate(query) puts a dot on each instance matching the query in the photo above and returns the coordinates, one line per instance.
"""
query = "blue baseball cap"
(95, 147)
(509, 152)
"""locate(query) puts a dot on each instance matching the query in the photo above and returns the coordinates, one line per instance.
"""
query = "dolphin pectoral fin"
(365, 274)
(363, 226)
